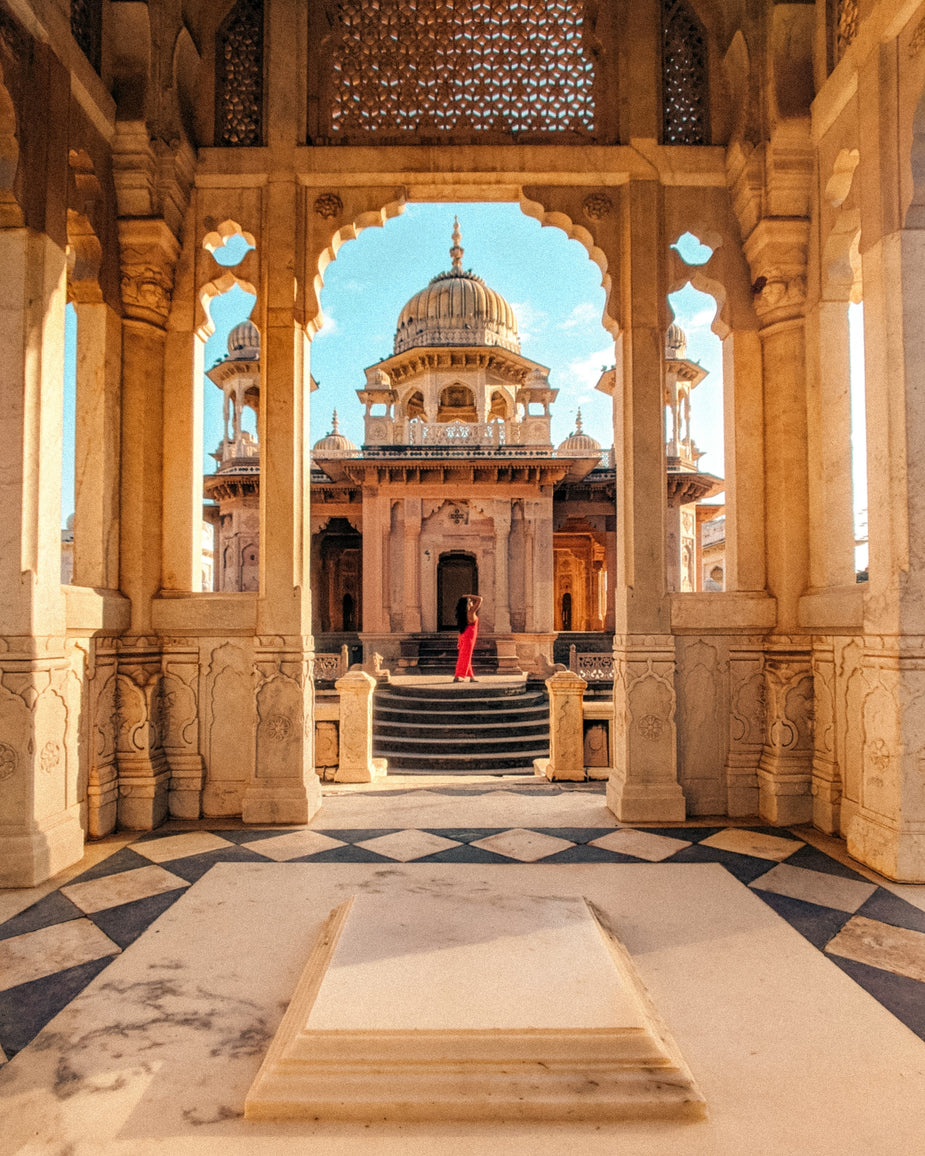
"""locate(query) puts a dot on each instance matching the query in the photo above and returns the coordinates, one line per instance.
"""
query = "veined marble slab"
(422, 1012)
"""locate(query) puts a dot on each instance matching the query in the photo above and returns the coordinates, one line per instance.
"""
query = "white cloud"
(702, 319)
(580, 376)
(328, 327)
(585, 313)
(530, 320)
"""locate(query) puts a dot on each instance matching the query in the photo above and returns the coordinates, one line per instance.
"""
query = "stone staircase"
(460, 728)
(436, 653)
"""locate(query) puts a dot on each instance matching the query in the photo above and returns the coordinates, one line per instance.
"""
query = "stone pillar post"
(644, 784)
(412, 567)
(357, 764)
(776, 250)
(282, 786)
(40, 829)
(148, 257)
(501, 516)
(97, 446)
(888, 755)
(543, 566)
(566, 728)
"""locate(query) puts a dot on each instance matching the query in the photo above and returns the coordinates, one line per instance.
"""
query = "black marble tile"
(583, 853)
(124, 924)
(890, 908)
(346, 854)
(576, 834)
(115, 864)
(745, 868)
(358, 834)
(815, 860)
(688, 834)
(903, 997)
(27, 1008)
(193, 867)
(466, 854)
(52, 908)
(254, 835)
(815, 923)
(464, 834)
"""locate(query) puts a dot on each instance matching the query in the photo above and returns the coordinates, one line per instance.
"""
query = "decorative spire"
(334, 429)
(578, 422)
(457, 251)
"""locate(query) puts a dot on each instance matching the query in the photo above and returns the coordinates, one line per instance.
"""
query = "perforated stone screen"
(460, 68)
(684, 76)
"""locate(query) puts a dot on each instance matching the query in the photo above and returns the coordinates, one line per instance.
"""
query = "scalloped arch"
(205, 326)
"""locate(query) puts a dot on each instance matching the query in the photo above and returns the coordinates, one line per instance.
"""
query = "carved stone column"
(40, 829)
(412, 565)
(644, 784)
(282, 786)
(501, 515)
(777, 252)
(149, 254)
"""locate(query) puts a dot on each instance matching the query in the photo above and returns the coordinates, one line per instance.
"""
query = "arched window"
(457, 403)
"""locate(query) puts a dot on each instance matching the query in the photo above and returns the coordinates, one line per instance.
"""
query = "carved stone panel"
(231, 723)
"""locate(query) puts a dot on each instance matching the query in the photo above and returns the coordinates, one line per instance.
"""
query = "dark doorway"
(566, 611)
(457, 575)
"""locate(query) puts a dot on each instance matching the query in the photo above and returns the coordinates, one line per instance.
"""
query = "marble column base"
(275, 804)
(27, 859)
(362, 772)
(784, 795)
(896, 853)
(638, 803)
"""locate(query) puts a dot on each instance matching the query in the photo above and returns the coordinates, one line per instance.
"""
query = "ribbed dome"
(675, 342)
(579, 444)
(335, 444)
(457, 308)
(244, 342)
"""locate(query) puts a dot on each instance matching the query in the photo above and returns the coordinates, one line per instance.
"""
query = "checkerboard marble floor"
(61, 939)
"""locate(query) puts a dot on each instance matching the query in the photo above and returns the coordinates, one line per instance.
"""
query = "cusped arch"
(205, 326)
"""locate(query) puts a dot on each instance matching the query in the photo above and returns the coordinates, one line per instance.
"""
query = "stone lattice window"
(684, 76)
(846, 25)
(460, 68)
(87, 28)
(239, 76)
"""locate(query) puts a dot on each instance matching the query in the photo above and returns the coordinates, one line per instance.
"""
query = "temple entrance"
(457, 575)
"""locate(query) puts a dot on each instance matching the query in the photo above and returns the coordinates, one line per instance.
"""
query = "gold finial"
(334, 429)
(578, 422)
(456, 252)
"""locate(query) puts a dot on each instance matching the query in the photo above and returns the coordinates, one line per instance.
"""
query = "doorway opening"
(457, 575)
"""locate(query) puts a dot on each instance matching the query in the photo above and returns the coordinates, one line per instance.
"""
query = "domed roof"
(457, 308)
(244, 342)
(579, 444)
(675, 342)
(335, 444)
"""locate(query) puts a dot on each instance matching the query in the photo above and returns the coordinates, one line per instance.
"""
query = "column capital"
(148, 258)
(777, 252)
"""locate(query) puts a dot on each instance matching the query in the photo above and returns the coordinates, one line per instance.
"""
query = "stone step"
(460, 727)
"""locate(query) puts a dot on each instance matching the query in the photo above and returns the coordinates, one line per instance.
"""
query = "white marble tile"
(407, 845)
(895, 949)
(180, 846)
(293, 845)
(39, 953)
(816, 887)
(123, 887)
(642, 844)
(745, 842)
(527, 846)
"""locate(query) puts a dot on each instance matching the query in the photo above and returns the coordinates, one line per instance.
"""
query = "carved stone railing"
(328, 667)
(461, 433)
(590, 665)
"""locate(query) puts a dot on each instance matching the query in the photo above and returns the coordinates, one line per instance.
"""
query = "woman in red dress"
(467, 623)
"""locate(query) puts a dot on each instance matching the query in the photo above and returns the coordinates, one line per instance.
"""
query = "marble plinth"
(422, 1013)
